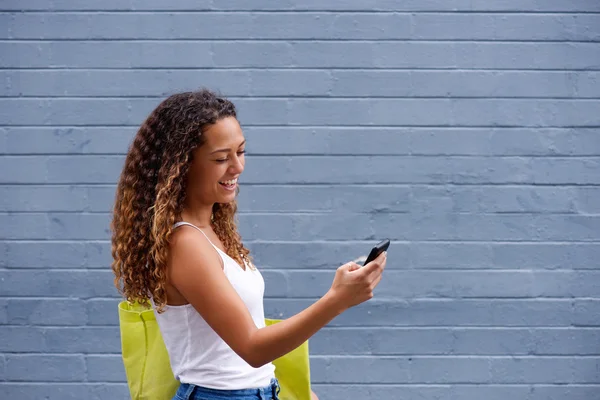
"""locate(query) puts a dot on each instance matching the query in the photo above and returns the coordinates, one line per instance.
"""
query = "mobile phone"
(377, 250)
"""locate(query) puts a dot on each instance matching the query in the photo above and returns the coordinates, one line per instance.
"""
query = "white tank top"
(197, 354)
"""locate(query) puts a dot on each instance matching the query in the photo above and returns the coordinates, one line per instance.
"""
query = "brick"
(65, 391)
(545, 141)
(81, 284)
(382, 341)
(296, 227)
(556, 392)
(587, 200)
(63, 339)
(292, 82)
(538, 27)
(245, 54)
(304, 54)
(349, 369)
(337, 226)
(512, 112)
(462, 391)
(449, 369)
(56, 368)
(46, 312)
(324, 198)
(105, 368)
(533, 55)
(103, 312)
(319, 111)
(426, 392)
(448, 83)
(445, 370)
(331, 140)
(298, 82)
(98, 254)
(468, 55)
(433, 170)
(126, 83)
(276, 283)
(24, 170)
(555, 370)
(316, 255)
(566, 341)
(270, 5)
(441, 312)
(503, 199)
(56, 226)
(85, 55)
(3, 312)
(585, 284)
(21, 339)
(510, 227)
(545, 255)
(212, 25)
(586, 312)
(478, 227)
(16, 226)
(435, 255)
(87, 339)
(71, 140)
(56, 255)
(504, 141)
(3, 141)
(461, 284)
(261, 140)
(493, 341)
(68, 111)
(44, 198)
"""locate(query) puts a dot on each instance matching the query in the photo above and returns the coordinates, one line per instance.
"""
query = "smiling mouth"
(230, 184)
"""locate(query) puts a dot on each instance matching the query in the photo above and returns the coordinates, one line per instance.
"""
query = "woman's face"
(218, 163)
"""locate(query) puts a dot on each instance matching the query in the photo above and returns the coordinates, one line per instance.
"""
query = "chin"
(227, 199)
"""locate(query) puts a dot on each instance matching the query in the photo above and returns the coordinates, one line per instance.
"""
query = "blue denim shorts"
(188, 391)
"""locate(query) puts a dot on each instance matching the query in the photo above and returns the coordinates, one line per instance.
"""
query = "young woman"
(175, 243)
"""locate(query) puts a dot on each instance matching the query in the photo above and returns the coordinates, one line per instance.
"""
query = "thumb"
(352, 266)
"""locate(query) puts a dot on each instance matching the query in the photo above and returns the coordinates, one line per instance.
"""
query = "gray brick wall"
(467, 131)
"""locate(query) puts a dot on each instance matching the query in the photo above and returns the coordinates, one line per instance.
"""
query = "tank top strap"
(181, 223)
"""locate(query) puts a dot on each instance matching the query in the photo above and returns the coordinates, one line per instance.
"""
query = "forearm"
(274, 341)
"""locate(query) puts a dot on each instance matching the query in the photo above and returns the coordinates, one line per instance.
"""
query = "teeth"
(231, 182)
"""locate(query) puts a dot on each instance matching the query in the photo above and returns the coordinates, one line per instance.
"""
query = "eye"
(241, 152)
(222, 160)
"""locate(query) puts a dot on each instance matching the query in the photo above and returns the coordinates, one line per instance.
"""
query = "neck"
(197, 213)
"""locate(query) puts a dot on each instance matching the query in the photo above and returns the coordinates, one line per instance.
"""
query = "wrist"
(333, 302)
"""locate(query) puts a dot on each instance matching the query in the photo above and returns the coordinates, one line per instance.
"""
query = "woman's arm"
(195, 271)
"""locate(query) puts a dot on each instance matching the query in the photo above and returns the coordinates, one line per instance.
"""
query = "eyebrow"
(227, 150)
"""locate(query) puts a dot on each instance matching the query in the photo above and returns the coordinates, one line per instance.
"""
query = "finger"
(375, 264)
(376, 272)
(376, 281)
(384, 263)
(352, 266)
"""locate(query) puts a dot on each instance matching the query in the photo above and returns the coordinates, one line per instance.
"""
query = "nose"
(237, 165)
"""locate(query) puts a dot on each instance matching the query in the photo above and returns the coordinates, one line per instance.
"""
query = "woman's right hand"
(354, 284)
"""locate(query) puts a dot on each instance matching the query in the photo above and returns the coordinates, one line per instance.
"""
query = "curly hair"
(151, 192)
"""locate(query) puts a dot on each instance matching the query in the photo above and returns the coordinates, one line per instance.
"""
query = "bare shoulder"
(189, 250)
(195, 270)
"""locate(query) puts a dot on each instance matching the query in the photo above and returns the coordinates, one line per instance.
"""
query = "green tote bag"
(149, 374)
